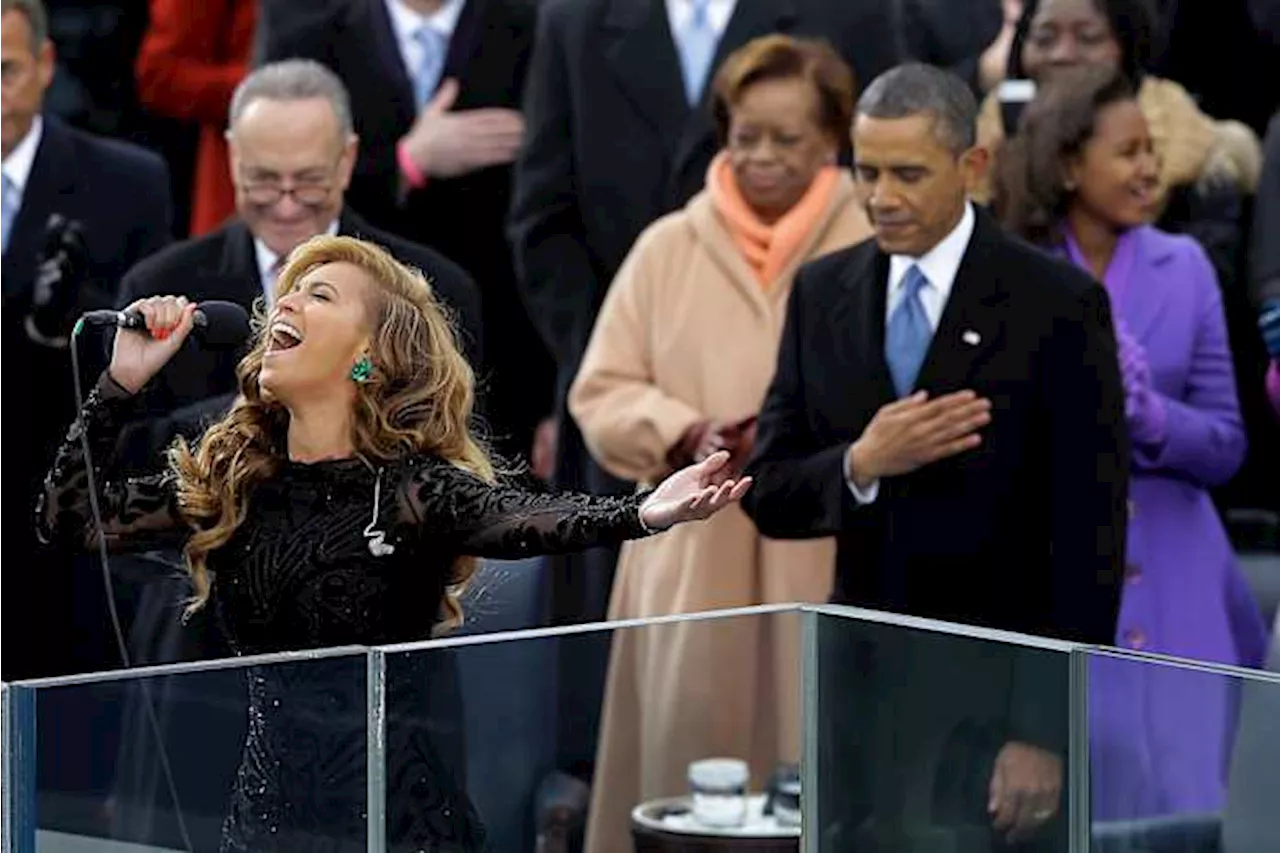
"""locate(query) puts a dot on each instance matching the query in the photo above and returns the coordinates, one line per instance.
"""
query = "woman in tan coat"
(677, 366)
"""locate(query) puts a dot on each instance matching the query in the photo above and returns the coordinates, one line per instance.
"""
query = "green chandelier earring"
(362, 370)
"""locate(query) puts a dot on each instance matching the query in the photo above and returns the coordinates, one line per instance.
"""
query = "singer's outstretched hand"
(692, 493)
(138, 355)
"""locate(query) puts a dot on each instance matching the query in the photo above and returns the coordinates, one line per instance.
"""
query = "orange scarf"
(768, 249)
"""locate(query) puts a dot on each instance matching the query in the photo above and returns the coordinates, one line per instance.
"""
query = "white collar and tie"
(270, 264)
(15, 172)
(939, 266)
(918, 290)
(918, 293)
(697, 27)
(424, 43)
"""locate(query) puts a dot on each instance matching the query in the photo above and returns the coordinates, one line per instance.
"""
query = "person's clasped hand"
(1143, 408)
(1025, 790)
(735, 437)
(447, 144)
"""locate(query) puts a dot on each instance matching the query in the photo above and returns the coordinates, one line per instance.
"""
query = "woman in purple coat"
(1080, 179)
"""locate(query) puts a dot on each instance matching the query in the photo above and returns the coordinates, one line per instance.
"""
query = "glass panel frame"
(376, 750)
(1076, 795)
(1173, 831)
(398, 655)
(18, 711)
(5, 770)
(20, 729)
(585, 628)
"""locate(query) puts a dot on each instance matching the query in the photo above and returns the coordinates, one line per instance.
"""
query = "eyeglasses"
(267, 193)
(264, 190)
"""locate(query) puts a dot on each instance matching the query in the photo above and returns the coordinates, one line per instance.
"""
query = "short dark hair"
(37, 19)
(782, 57)
(918, 89)
(1133, 23)
(1031, 197)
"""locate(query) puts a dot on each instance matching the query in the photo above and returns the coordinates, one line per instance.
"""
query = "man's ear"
(974, 164)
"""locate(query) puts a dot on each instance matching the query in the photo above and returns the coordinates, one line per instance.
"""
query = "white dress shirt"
(405, 22)
(939, 265)
(680, 13)
(267, 259)
(17, 166)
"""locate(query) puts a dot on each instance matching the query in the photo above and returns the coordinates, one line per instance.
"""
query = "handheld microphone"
(218, 324)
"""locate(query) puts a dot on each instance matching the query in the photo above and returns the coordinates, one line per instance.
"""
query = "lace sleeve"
(503, 521)
(131, 508)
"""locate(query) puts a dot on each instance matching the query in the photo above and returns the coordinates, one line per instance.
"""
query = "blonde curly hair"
(418, 401)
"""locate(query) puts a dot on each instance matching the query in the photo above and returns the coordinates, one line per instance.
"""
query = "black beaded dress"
(299, 574)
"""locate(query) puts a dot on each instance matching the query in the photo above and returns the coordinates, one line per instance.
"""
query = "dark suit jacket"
(948, 34)
(612, 144)
(279, 19)
(1235, 33)
(1265, 249)
(488, 55)
(198, 383)
(120, 195)
(463, 217)
(1025, 533)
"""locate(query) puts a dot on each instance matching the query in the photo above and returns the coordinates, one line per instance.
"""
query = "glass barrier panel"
(259, 754)
(1183, 757)
(5, 770)
(479, 752)
(929, 736)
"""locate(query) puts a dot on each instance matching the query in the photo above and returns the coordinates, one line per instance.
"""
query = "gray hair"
(915, 89)
(293, 80)
(36, 17)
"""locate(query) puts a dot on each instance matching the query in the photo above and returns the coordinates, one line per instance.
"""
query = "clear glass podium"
(909, 736)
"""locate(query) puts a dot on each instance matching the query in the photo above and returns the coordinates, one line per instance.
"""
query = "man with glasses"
(292, 152)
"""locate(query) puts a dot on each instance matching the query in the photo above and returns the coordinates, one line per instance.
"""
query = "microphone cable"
(121, 645)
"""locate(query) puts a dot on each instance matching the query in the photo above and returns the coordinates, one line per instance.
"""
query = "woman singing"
(342, 501)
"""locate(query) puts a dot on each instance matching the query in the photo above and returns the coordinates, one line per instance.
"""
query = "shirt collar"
(680, 12)
(941, 263)
(17, 166)
(267, 259)
(405, 22)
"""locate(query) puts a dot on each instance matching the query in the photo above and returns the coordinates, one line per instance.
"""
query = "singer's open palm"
(692, 493)
(138, 355)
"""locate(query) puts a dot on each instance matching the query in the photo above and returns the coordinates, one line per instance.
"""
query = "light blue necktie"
(908, 335)
(9, 203)
(427, 76)
(697, 44)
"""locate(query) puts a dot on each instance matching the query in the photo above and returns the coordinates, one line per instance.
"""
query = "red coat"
(189, 64)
